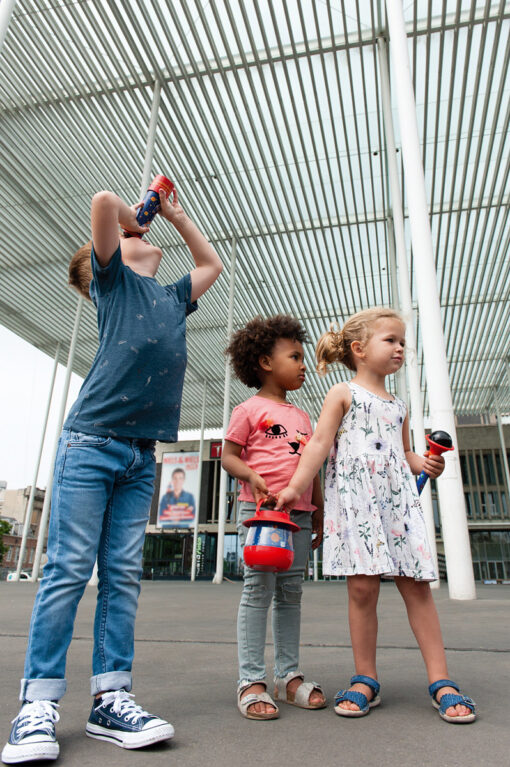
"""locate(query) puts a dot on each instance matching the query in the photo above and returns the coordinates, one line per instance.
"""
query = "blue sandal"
(358, 698)
(450, 699)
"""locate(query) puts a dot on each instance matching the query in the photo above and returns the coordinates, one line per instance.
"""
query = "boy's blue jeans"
(284, 590)
(102, 491)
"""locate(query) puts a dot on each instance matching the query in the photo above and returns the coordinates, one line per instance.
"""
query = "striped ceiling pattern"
(270, 124)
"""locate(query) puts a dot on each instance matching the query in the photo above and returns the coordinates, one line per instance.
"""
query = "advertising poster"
(178, 490)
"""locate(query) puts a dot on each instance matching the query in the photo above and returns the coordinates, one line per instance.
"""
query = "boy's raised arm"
(107, 212)
(207, 261)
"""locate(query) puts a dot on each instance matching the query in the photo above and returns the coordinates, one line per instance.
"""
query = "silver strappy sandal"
(301, 697)
(243, 704)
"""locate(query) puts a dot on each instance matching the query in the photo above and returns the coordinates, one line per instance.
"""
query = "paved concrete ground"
(185, 670)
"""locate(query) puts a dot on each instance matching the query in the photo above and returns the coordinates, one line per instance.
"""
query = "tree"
(5, 529)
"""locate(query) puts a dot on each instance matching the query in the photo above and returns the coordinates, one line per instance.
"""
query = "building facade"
(487, 500)
(13, 510)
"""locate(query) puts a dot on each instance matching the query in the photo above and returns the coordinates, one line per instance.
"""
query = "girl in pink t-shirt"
(262, 448)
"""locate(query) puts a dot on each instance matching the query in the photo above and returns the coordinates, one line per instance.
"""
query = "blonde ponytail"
(335, 345)
(331, 348)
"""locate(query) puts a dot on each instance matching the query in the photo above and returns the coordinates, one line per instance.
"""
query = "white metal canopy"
(270, 124)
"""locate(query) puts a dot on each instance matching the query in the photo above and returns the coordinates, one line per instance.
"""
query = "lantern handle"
(264, 500)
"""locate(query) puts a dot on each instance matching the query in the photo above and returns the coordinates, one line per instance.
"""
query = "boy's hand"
(287, 498)
(433, 465)
(258, 486)
(172, 211)
(317, 527)
(127, 219)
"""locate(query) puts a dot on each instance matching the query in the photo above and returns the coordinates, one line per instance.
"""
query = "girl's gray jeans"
(284, 590)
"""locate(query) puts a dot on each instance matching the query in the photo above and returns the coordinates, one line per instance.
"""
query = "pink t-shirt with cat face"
(272, 435)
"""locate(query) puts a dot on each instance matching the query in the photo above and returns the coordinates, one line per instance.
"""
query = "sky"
(25, 380)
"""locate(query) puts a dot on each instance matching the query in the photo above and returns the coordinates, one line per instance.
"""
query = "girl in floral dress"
(374, 524)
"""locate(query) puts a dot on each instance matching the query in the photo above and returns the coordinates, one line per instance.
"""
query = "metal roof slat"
(344, 126)
(474, 112)
(322, 56)
(302, 141)
(358, 153)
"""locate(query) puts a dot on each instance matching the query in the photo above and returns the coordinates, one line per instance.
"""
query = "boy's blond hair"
(335, 345)
(80, 270)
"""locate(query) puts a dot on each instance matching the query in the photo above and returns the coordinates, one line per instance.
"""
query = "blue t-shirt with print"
(134, 386)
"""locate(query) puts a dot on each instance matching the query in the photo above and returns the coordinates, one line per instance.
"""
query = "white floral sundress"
(373, 523)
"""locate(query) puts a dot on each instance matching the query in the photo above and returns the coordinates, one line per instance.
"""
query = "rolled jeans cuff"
(112, 680)
(42, 689)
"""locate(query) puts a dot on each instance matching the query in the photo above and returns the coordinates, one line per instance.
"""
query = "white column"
(47, 497)
(461, 582)
(504, 456)
(30, 504)
(6, 9)
(400, 376)
(397, 234)
(222, 500)
(315, 565)
(197, 506)
(151, 137)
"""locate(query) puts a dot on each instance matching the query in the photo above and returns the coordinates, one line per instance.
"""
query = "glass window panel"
(493, 551)
(479, 471)
(472, 471)
(232, 555)
(485, 510)
(495, 503)
(505, 549)
(464, 469)
(488, 465)
(499, 468)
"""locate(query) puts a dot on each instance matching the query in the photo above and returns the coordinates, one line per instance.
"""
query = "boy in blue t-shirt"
(104, 476)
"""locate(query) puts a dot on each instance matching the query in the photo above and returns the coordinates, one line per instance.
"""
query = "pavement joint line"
(271, 644)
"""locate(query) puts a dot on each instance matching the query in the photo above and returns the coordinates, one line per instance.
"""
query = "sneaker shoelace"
(38, 715)
(123, 705)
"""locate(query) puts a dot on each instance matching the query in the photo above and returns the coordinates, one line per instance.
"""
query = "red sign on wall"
(215, 450)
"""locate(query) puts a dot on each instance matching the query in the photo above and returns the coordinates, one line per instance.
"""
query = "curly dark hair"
(257, 338)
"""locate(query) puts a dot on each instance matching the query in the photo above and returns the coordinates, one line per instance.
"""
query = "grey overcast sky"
(25, 377)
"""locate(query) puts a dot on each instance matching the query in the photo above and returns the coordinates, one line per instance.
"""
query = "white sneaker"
(33, 733)
(117, 718)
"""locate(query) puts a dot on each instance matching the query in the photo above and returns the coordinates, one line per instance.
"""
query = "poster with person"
(178, 490)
